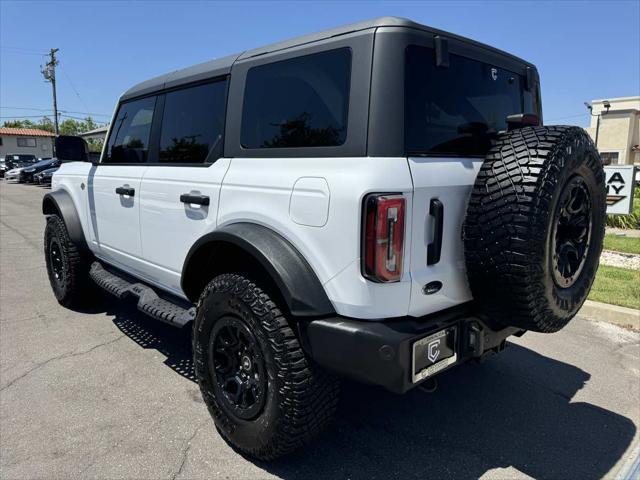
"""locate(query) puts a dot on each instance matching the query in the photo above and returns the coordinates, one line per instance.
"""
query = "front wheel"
(67, 266)
(266, 397)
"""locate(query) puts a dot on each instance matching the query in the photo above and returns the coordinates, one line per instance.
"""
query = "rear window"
(459, 109)
(301, 102)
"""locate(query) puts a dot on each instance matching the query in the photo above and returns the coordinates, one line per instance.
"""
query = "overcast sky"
(583, 50)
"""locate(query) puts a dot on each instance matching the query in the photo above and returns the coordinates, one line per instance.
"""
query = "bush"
(627, 221)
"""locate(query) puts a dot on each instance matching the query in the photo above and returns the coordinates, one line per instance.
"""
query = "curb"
(603, 312)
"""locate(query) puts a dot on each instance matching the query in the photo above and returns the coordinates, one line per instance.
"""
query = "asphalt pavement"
(109, 393)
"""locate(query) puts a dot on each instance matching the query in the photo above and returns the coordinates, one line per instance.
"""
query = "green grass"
(617, 286)
(621, 244)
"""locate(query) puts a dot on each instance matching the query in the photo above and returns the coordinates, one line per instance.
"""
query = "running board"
(148, 300)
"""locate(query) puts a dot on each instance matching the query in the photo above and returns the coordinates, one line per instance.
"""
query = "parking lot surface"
(109, 393)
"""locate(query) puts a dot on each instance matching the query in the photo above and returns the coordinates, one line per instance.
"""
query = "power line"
(64, 71)
(28, 50)
(21, 116)
(50, 110)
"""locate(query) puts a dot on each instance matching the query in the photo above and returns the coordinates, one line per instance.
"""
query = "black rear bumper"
(380, 352)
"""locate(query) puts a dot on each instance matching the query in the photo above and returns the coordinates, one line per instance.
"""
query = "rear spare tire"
(534, 227)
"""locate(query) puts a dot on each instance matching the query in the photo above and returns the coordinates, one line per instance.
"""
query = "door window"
(129, 138)
(301, 102)
(193, 124)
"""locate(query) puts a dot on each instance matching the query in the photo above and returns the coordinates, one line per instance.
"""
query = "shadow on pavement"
(515, 410)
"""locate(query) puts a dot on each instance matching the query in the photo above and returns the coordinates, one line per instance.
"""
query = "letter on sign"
(619, 184)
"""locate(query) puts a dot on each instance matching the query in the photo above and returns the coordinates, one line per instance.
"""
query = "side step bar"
(148, 300)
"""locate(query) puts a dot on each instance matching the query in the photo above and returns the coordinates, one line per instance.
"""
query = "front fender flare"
(60, 203)
(300, 287)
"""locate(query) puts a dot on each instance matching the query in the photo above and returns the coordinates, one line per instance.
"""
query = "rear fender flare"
(297, 282)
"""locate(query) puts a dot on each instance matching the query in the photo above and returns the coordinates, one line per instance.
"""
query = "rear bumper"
(381, 352)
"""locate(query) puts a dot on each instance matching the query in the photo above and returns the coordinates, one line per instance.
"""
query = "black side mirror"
(72, 149)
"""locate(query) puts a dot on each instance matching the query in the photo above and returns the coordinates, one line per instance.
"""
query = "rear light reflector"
(383, 237)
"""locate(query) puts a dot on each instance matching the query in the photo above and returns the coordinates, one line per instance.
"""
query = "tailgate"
(448, 180)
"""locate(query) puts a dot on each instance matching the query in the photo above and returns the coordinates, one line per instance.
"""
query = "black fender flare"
(298, 284)
(60, 203)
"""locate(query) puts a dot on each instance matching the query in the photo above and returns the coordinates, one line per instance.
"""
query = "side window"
(301, 102)
(193, 124)
(129, 138)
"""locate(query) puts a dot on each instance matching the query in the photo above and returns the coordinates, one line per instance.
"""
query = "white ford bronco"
(378, 201)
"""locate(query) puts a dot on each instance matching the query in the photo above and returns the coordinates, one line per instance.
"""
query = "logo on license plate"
(433, 350)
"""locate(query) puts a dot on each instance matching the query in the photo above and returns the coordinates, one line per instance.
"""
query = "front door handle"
(126, 190)
(193, 198)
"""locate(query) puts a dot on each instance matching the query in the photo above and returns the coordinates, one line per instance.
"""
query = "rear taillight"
(383, 237)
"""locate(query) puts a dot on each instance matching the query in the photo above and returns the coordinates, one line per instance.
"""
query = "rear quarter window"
(300, 102)
(456, 110)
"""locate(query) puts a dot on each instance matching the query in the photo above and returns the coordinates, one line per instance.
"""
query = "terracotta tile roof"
(29, 132)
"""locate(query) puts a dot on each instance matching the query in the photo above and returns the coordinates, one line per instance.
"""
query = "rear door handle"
(126, 190)
(197, 199)
(434, 249)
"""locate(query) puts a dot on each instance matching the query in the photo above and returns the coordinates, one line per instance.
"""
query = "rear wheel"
(266, 397)
(534, 227)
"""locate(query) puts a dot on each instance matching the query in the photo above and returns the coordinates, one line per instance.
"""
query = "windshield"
(459, 109)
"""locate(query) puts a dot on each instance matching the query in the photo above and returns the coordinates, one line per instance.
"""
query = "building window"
(609, 158)
(26, 142)
(300, 102)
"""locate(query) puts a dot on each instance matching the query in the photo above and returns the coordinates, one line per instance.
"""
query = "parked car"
(3, 168)
(13, 174)
(13, 163)
(17, 160)
(44, 177)
(320, 208)
(27, 173)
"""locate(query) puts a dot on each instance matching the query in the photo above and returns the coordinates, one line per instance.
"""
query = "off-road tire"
(72, 287)
(507, 233)
(300, 397)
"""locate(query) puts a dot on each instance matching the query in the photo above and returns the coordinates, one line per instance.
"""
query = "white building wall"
(43, 148)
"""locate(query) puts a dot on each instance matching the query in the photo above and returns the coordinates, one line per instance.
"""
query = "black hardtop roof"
(222, 66)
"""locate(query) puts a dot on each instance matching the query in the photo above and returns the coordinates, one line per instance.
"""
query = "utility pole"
(49, 72)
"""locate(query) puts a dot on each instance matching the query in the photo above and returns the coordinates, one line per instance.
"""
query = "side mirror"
(72, 149)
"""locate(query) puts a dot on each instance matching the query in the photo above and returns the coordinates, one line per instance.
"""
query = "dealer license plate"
(434, 353)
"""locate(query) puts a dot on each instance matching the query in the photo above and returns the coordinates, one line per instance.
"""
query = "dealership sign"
(619, 184)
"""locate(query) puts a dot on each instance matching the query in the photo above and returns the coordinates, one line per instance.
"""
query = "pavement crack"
(37, 366)
(186, 446)
(32, 243)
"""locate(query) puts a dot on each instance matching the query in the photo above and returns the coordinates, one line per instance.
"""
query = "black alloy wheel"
(56, 261)
(238, 368)
(571, 232)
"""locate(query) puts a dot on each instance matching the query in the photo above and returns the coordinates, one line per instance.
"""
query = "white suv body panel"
(315, 203)
(168, 227)
(261, 190)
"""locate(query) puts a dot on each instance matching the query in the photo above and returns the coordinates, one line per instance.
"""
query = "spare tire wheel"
(534, 227)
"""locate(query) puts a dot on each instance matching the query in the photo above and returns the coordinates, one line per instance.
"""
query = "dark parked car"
(18, 160)
(26, 174)
(44, 177)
